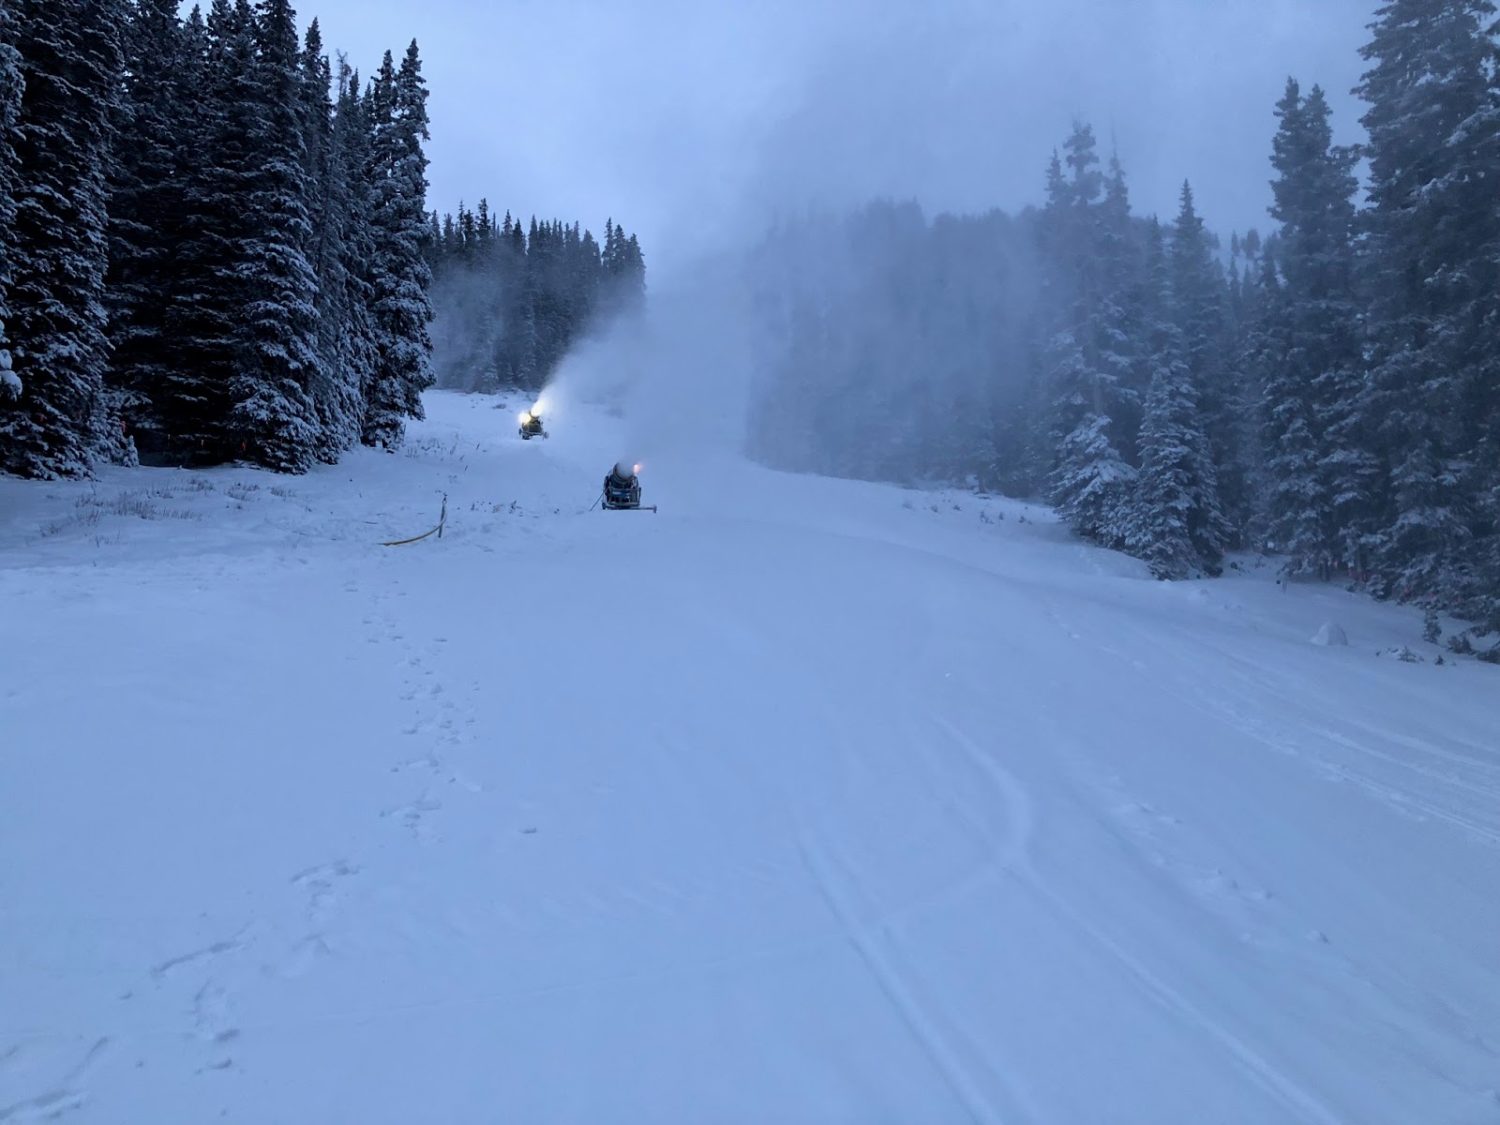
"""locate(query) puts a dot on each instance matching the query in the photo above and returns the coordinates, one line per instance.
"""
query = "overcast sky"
(691, 121)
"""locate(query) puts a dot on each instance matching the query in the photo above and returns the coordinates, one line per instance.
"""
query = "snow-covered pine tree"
(337, 386)
(1198, 304)
(1430, 261)
(316, 101)
(1297, 514)
(272, 418)
(71, 66)
(10, 109)
(145, 209)
(1319, 478)
(1090, 481)
(1176, 524)
(1159, 531)
(346, 299)
(1092, 486)
(205, 294)
(400, 275)
(1121, 330)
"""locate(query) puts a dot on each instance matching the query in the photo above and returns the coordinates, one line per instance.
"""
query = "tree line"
(511, 300)
(212, 239)
(1329, 393)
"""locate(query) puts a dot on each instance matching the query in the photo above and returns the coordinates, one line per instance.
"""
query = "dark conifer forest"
(212, 239)
(1328, 393)
(511, 299)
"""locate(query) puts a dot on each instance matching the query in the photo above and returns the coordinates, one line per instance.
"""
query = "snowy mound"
(1330, 635)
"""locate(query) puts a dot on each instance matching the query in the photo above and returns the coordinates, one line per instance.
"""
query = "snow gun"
(531, 423)
(622, 490)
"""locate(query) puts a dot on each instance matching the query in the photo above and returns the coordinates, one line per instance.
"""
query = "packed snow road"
(801, 801)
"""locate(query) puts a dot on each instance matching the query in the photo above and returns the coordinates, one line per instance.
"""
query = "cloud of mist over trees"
(957, 106)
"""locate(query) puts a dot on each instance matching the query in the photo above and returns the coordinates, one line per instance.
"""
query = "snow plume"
(677, 372)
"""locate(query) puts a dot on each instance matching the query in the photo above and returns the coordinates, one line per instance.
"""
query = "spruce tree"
(1198, 305)
(1319, 479)
(1120, 328)
(1430, 261)
(333, 163)
(10, 109)
(1176, 524)
(347, 338)
(206, 294)
(145, 207)
(399, 276)
(272, 418)
(1160, 528)
(1092, 484)
(71, 68)
(1089, 482)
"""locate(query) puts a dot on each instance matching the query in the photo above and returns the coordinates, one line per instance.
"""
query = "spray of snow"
(677, 374)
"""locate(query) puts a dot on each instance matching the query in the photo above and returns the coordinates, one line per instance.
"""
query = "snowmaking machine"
(531, 423)
(622, 489)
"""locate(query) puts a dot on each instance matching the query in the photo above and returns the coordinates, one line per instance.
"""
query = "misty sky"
(693, 121)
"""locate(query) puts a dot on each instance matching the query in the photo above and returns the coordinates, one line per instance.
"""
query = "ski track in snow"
(868, 764)
(1012, 853)
(957, 1061)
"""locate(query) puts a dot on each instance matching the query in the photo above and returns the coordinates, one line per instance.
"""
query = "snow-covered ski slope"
(801, 801)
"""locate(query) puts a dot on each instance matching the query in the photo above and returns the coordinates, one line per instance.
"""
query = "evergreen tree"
(272, 417)
(1176, 524)
(1198, 300)
(10, 109)
(206, 293)
(1092, 484)
(1430, 267)
(345, 331)
(145, 207)
(1091, 369)
(1120, 329)
(400, 276)
(1319, 484)
(71, 68)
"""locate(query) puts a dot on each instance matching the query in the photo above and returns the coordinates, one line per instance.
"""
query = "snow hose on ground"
(438, 530)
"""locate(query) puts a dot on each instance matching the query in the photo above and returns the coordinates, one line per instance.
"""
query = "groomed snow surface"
(799, 801)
